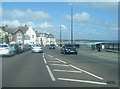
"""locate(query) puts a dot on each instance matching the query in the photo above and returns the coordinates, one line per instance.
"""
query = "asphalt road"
(53, 69)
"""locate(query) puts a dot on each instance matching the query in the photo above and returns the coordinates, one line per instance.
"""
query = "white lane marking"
(50, 56)
(44, 59)
(60, 60)
(68, 71)
(54, 61)
(87, 72)
(84, 81)
(59, 65)
(50, 73)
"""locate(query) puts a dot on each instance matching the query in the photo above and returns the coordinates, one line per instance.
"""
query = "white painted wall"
(32, 34)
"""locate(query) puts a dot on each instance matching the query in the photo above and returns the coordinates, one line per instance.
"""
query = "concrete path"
(103, 54)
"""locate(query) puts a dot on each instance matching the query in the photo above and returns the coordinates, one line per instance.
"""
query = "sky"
(91, 20)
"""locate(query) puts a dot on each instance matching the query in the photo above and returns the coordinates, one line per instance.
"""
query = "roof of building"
(14, 30)
(47, 35)
(22, 28)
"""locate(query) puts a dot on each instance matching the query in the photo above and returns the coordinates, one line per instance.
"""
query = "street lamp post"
(71, 23)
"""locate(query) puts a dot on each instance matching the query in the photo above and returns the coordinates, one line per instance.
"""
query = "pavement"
(110, 56)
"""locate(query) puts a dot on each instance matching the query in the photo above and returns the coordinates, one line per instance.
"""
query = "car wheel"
(76, 53)
(13, 53)
(64, 52)
(10, 54)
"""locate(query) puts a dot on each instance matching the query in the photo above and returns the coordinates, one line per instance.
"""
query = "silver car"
(6, 49)
(37, 49)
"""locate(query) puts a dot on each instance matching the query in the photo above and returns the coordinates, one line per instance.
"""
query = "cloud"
(14, 23)
(45, 25)
(84, 19)
(27, 14)
(0, 11)
(80, 17)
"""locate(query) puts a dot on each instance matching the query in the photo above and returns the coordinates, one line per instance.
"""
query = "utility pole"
(71, 23)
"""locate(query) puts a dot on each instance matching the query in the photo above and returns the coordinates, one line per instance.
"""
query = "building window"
(32, 36)
(19, 35)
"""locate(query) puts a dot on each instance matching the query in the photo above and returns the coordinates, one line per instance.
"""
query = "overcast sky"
(93, 20)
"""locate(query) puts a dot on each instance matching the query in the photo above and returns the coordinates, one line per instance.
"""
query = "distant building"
(25, 35)
(30, 36)
(4, 34)
(45, 39)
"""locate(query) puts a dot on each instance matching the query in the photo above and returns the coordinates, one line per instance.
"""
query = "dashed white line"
(84, 81)
(50, 73)
(44, 59)
(87, 72)
(68, 71)
(59, 65)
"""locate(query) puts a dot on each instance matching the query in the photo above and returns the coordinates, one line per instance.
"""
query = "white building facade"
(31, 36)
(45, 39)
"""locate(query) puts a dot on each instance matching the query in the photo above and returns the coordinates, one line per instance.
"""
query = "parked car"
(6, 50)
(37, 49)
(52, 46)
(21, 46)
(16, 48)
(30, 47)
(69, 48)
(26, 48)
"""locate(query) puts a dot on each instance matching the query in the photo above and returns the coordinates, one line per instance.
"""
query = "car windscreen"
(70, 46)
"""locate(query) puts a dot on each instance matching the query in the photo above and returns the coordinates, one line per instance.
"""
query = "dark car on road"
(69, 49)
(52, 46)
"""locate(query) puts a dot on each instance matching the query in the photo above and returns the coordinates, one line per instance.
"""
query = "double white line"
(49, 71)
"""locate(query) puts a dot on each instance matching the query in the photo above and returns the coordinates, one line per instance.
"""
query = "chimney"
(25, 25)
(6, 26)
(36, 31)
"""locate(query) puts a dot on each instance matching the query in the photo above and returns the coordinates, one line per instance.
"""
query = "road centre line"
(44, 59)
(60, 60)
(87, 72)
(68, 71)
(59, 65)
(84, 81)
(50, 73)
